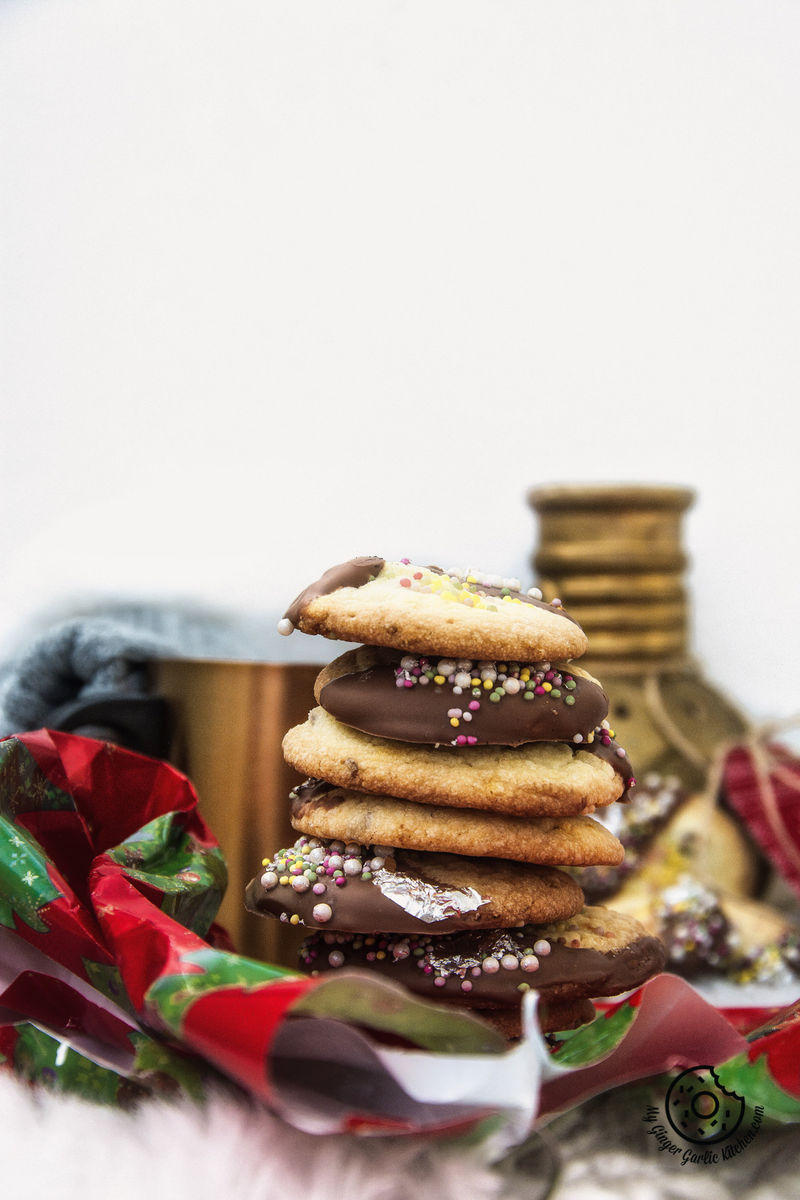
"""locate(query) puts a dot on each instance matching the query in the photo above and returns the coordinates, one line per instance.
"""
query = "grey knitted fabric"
(104, 652)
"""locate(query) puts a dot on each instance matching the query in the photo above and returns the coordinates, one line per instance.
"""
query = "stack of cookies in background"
(454, 761)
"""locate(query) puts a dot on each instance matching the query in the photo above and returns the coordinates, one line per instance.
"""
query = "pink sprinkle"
(409, 682)
(405, 583)
(439, 981)
(620, 752)
(539, 690)
(474, 705)
(319, 889)
(550, 675)
(466, 986)
(471, 740)
(341, 881)
(428, 969)
(418, 574)
(461, 740)
(370, 956)
(405, 561)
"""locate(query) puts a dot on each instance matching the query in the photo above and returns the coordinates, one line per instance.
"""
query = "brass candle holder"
(614, 555)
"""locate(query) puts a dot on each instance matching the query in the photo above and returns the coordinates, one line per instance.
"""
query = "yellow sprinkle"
(487, 683)
(380, 954)
(438, 679)
(265, 862)
(473, 682)
(284, 879)
(503, 667)
(525, 675)
(471, 579)
(548, 687)
(294, 919)
(454, 722)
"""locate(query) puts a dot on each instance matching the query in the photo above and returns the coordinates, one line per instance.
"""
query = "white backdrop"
(284, 282)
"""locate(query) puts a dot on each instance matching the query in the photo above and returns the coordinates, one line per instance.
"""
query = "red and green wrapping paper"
(115, 982)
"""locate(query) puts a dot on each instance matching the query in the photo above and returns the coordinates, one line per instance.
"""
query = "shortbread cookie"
(361, 889)
(537, 779)
(463, 702)
(430, 611)
(596, 953)
(322, 810)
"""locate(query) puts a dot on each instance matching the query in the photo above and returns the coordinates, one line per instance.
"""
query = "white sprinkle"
(285, 626)
(353, 866)
(445, 667)
(578, 737)
(408, 662)
(336, 861)
(335, 958)
(300, 883)
(317, 856)
(509, 962)
(322, 913)
(542, 948)
(269, 880)
(535, 593)
(377, 863)
(490, 965)
(529, 962)
(463, 680)
(512, 685)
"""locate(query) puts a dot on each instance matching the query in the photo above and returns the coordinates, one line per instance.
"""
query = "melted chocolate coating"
(610, 752)
(566, 971)
(370, 700)
(353, 573)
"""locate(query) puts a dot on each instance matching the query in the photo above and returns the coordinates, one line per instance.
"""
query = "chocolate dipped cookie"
(430, 611)
(597, 953)
(322, 810)
(351, 887)
(459, 702)
(536, 779)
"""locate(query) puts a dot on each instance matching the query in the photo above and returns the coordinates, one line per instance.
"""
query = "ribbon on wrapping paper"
(762, 785)
(114, 979)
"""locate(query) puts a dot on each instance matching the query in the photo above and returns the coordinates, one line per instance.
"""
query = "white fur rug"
(65, 1149)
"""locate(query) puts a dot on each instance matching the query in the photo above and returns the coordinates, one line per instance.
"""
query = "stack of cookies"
(454, 761)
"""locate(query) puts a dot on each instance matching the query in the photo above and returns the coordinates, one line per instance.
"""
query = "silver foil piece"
(428, 902)
(495, 943)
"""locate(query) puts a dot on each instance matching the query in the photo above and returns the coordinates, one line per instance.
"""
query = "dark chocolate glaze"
(315, 793)
(566, 972)
(371, 701)
(358, 908)
(609, 752)
(353, 573)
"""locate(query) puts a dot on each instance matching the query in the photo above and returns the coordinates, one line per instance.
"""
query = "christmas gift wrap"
(116, 982)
